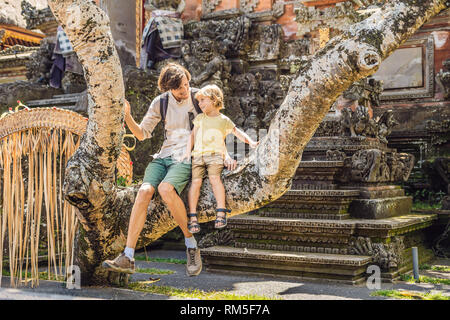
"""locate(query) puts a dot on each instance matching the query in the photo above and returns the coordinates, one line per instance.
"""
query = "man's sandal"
(193, 227)
(222, 219)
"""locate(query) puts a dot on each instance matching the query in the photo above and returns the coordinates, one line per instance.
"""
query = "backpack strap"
(163, 105)
(195, 101)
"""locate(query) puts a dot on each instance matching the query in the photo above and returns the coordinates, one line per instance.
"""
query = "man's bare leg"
(175, 206)
(125, 261)
(139, 214)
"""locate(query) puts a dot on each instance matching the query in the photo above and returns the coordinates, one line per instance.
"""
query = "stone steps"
(381, 228)
(66, 101)
(313, 204)
(345, 268)
(306, 214)
(315, 175)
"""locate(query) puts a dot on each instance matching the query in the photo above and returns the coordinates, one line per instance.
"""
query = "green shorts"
(175, 173)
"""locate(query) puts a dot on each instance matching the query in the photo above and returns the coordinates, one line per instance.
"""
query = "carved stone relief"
(385, 255)
(217, 238)
(170, 5)
(248, 6)
(209, 6)
(373, 165)
(267, 44)
(443, 79)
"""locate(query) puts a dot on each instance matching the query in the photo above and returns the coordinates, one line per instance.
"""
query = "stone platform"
(312, 248)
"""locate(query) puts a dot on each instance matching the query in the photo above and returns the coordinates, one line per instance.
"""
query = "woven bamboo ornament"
(39, 142)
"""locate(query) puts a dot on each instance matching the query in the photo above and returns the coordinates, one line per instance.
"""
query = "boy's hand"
(253, 144)
(230, 163)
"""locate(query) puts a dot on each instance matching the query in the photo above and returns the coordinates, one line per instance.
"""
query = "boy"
(208, 139)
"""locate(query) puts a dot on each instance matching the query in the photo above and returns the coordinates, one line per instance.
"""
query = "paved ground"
(271, 287)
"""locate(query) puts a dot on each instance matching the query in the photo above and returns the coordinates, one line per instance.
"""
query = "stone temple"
(352, 203)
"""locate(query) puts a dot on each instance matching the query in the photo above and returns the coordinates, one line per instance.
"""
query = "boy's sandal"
(193, 227)
(221, 220)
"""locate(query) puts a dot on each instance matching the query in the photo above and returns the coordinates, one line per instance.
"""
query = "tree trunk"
(264, 176)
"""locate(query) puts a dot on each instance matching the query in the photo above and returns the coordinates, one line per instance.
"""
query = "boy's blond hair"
(214, 93)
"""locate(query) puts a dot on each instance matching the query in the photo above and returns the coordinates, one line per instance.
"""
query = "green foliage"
(441, 268)
(426, 199)
(166, 260)
(424, 279)
(121, 181)
(410, 295)
(44, 275)
(154, 271)
(424, 266)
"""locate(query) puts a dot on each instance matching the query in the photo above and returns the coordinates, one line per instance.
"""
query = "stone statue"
(266, 43)
(232, 32)
(247, 87)
(358, 122)
(443, 79)
(385, 125)
(210, 56)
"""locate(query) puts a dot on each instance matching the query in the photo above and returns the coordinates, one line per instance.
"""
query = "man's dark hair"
(170, 77)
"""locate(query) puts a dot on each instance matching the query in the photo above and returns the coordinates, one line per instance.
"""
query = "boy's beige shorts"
(213, 162)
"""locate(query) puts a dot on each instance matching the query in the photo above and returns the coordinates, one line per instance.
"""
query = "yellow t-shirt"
(211, 134)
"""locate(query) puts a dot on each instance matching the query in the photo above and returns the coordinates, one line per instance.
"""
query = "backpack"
(164, 103)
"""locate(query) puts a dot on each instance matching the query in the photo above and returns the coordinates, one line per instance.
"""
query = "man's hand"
(127, 108)
(186, 157)
(230, 163)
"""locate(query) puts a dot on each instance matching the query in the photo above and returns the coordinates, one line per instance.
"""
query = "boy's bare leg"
(193, 195)
(175, 206)
(139, 214)
(218, 190)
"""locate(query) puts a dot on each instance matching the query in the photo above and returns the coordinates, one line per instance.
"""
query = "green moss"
(194, 293)
(372, 37)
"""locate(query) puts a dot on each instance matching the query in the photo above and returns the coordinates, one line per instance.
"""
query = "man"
(166, 174)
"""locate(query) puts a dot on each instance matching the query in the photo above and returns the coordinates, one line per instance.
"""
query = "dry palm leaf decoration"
(35, 145)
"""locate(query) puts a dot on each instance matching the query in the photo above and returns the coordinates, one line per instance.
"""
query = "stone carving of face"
(203, 49)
